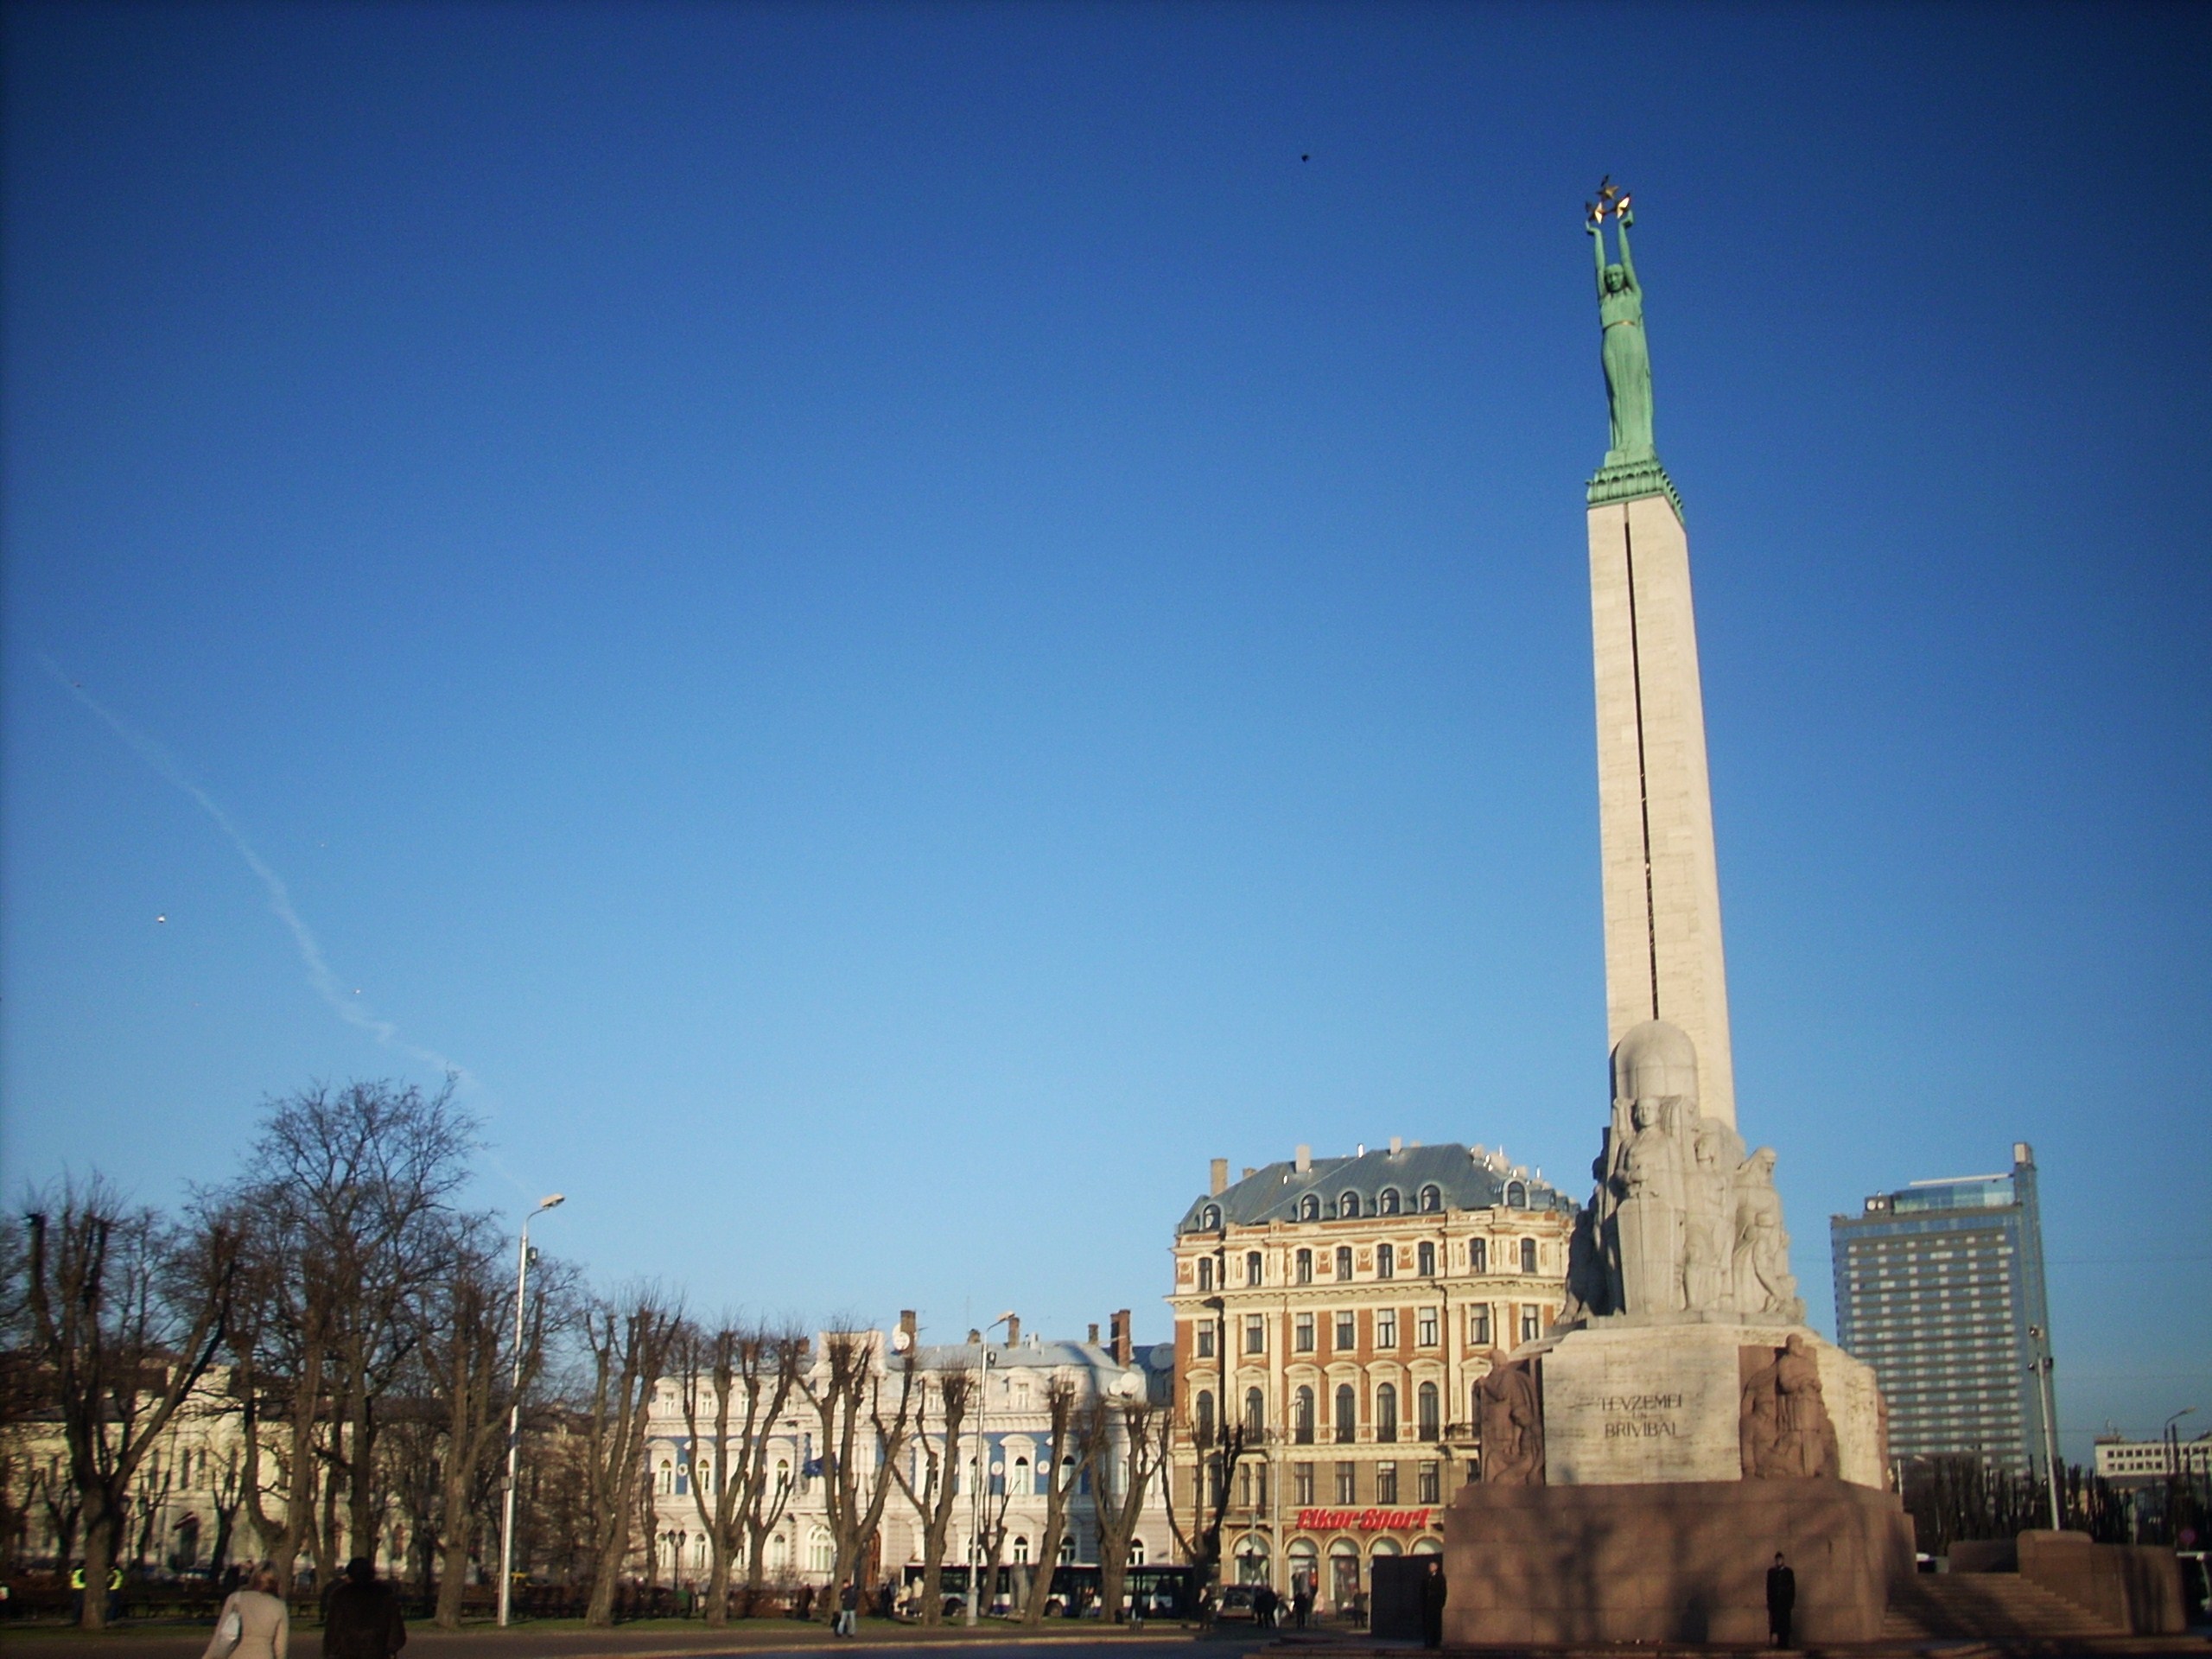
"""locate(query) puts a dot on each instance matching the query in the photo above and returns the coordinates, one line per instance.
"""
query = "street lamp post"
(514, 1414)
(982, 1460)
(2041, 1365)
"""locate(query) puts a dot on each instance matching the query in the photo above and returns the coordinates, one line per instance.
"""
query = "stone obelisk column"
(1662, 885)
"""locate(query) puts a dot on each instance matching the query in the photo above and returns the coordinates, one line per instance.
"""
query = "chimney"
(1304, 1160)
(1094, 1333)
(974, 1335)
(1012, 1329)
(1396, 1146)
(1250, 1172)
(1120, 1326)
(1219, 1180)
(909, 1330)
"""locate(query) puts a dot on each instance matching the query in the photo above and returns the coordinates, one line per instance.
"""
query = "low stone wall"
(1673, 1561)
(2136, 1586)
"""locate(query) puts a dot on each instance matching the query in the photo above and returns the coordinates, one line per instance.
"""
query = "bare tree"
(769, 1365)
(742, 1376)
(468, 1364)
(846, 1390)
(629, 1339)
(1127, 1445)
(350, 1195)
(127, 1315)
(936, 1500)
(1062, 1463)
(1212, 1470)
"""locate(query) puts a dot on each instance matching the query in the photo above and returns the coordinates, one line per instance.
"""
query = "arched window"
(1021, 1547)
(821, 1552)
(1527, 1256)
(1387, 1205)
(1427, 1413)
(1309, 1208)
(1302, 1416)
(1425, 1259)
(667, 1476)
(1347, 1204)
(1067, 1550)
(1432, 1200)
(1344, 1262)
(1210, 1217)
(1022, 1483)
(1255, 1411)
(1136, 1552)
(1386, 1261)
(1386, 1412)
(1205, 1417)
(783, 1474)
(1253, 1267)
(1205, 1273)
(1347, 1415)
(1516, 1196)
(1478, 1255)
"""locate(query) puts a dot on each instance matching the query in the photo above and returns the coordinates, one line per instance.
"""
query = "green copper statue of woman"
(1628, 359)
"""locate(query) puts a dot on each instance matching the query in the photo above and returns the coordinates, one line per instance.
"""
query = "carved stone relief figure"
(1764, 1281)
(1784, 1426)
(1653, 1208)
(1512, 1424)
(1708, 1234)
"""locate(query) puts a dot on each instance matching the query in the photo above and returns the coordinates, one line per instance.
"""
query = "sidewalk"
(646, 1639)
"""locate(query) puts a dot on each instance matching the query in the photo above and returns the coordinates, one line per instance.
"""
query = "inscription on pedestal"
(1656, 1405)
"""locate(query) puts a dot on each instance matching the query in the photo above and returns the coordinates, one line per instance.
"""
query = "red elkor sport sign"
(1362, 1520)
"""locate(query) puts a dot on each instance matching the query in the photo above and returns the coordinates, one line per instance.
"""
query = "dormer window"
(1516, 1196)
(1432, 1200)
(1210, 1217)
(1387, 1205)
(1309, 1208)
(1347, 1205)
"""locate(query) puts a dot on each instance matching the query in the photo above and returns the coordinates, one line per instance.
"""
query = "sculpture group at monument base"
(1703, 1397)
(1669, 1562)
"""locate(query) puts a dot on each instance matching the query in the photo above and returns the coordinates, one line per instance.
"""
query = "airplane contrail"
(325, 983)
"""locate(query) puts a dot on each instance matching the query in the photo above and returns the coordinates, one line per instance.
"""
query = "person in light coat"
(262, 1628)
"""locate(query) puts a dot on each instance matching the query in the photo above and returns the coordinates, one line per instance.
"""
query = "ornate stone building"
(1338, 1315)
(1016, 1434)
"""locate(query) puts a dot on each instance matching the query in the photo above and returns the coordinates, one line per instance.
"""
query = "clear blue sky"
(894, 625)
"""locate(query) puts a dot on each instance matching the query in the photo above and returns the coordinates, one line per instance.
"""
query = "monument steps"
(1988, 1604)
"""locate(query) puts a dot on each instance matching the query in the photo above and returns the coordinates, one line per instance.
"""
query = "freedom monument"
(1642, 1461)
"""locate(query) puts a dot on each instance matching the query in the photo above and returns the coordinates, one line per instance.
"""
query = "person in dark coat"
(361, 1619)
(1432, 1604)
(1781, 1600)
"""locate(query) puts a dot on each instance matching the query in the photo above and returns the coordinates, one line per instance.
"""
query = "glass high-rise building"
(1939, 1287)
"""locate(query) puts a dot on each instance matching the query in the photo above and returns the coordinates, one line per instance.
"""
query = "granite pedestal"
(1668, 1562)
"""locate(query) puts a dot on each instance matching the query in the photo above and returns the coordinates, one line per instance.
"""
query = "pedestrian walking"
(848, 1610)
(252, 1623)
(1781, 1600)
(361, 1619)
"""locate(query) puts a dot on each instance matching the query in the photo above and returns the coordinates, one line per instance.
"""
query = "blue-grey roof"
(1025, 1355)
(1463, 1180)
